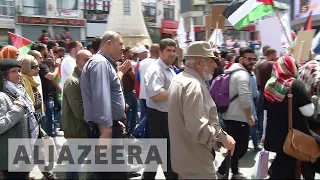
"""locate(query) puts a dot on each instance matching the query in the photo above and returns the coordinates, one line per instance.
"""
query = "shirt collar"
(162, 64)
(110, 59)
(194, 73)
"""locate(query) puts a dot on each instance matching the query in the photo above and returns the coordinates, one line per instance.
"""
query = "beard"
(206, 74)
(248, 67)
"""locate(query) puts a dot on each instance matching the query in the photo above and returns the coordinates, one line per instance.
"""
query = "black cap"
(7, 63)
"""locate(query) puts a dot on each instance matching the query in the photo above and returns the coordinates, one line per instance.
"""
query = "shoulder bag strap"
(290, 96)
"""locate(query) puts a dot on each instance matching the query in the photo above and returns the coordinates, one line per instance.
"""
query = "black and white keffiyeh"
(18, 91)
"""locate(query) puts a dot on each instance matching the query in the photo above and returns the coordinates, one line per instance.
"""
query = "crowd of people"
(107, 90)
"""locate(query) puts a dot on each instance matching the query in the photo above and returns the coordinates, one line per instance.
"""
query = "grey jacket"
(239, 84)
(13, 124)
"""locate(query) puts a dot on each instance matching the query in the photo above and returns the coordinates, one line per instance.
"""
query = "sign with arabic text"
(50, 21)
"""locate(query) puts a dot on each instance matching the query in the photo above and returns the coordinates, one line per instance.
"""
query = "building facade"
(300, 11)
(161, 17)
(33, 16)
(6, 20)
(198, 9)
(126, 17)
(96, 13)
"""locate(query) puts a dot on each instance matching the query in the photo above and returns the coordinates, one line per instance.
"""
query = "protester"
(309, 75)
(284, 76)
(29, 69)
(192, 118)
(48, 72)
(69, 62)
(73, 123)
(99, 78)
(157, 81)
(128, 82)
(17, 111)
(239, 116)
(263, 73)
(143, 128)
(10, 52)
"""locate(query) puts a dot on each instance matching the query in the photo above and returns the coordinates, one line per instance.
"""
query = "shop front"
(169, 28)
(31, 27)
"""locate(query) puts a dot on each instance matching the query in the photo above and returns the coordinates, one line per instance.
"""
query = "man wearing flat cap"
(193, 117)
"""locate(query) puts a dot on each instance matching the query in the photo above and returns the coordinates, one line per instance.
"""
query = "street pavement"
(246, 164)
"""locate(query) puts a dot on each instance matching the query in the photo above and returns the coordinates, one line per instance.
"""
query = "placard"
(270, 34)
(217, 16)
(302, 48)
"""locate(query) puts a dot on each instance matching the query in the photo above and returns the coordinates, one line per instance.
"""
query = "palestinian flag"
(240, 13)
(308, 24)
(23, 44)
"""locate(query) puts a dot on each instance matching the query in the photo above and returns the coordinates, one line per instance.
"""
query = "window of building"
(168, 12)
(198, 20)
(126, 7)
(150, 12)
(67, 4)
(96, 11)
(34, 7)
(6, 8)
(199, 8)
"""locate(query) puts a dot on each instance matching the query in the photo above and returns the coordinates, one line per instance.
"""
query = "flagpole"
(216, 38)
(283, 28)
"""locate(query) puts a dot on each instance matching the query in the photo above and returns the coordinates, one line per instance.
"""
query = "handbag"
(299, 145)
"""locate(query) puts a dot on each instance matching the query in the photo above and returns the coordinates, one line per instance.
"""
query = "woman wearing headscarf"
(309, 74)
(16, 114)
(9, 52)
(29, 69)
(283, 77)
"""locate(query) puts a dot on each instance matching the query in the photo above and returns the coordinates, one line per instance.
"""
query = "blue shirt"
(255, 93)
(101, 90)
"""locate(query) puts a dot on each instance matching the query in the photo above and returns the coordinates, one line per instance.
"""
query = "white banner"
(181, 34)
(192, 37)
(271, 34)
(68, 13)
(216, 38)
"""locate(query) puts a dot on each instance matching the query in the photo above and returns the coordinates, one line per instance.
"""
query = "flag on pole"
(23, 44)
(216, 38)
(240, 13)
(308, 24)
(192, 37)
(182, 35)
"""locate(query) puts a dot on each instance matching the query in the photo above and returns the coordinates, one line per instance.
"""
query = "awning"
(168, 31)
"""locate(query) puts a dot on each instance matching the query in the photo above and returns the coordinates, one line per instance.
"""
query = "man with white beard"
(193, 118)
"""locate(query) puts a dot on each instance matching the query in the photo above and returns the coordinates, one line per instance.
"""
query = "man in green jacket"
(72, 106)
(73, 123)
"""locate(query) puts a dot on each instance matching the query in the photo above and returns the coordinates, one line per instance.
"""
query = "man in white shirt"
(143, 66)
(69, 62)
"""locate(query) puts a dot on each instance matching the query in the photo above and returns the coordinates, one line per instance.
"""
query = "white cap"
(142, 49)
(317, 58)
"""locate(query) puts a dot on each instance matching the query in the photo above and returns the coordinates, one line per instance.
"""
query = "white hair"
(190, 63)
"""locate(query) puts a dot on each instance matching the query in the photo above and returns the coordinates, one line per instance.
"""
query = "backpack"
(219, 92)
